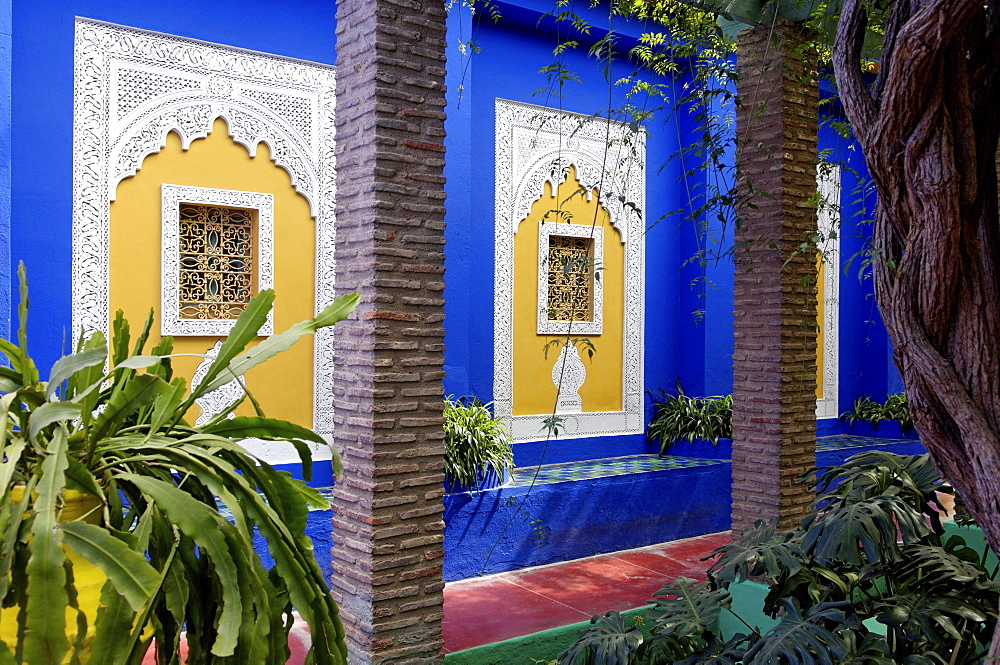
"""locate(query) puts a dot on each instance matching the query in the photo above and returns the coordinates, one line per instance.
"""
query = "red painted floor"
(485, 610)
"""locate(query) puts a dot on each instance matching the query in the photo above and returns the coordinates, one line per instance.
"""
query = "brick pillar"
(774, 358)
(388, 531)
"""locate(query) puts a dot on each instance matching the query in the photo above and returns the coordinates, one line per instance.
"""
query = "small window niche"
(570, 289)
(218, 253)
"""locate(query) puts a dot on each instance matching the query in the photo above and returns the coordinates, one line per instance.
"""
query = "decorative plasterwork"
(215, 402)
(172, 196)
(829, 230)
(537, 145)
(569, 374)
(134, 87)
(546, 326)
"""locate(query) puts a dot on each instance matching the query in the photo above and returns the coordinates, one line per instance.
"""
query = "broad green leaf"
(275, 344)
(52, 412)
(206, 527)
(166, 404)
(84, 387)
(138, 392)
(26, 364)
(608, 641)
(67, 366)
(114, 620)
(128, 570)
(242, 333)
(802, 639)
(139, 362)
(687, 607)
(45, 631)
(6, 655)
(140, 341)
(120, 338)
(80, 478)
(13, 355)
(245, 427)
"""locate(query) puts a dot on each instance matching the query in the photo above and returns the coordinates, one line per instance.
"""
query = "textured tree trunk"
(929, 130)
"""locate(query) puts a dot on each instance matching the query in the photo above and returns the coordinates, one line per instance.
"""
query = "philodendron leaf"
(128, 570)
(205, 526)
(802, 638)
(275, 344)
(67, 366)
(51, 412)
(45, 630)
(607, 641)
(687, 607)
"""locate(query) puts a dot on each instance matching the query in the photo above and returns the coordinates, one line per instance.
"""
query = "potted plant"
(869, 413)
(149, 528)
(477, 450)
(701, 421)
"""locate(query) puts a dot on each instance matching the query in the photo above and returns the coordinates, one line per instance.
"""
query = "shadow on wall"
(500, 530)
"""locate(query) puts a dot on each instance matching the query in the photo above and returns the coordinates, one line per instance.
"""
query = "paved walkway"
(489, 609)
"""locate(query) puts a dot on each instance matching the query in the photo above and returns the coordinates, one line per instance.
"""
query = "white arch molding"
(133, 87)
(828, 222)
(537, 145)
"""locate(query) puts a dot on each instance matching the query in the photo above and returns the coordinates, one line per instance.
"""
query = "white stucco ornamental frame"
(828, 223)
(536, 145)
(133, 87)
(171, 197)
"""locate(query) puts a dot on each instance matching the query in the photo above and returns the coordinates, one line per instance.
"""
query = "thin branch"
(858, 103)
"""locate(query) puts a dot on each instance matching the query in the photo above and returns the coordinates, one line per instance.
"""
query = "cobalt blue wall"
(678, 343)
(5, 149)
(42, 119)
(674, 344)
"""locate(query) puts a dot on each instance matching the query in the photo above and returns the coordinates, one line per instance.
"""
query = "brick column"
(774, 358)
(388, 531)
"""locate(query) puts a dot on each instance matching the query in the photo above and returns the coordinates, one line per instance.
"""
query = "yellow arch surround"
(533, 389)
(283, 387)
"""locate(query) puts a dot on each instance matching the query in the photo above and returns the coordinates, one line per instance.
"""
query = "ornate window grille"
(217, 254)
(570, 293)
(216, 261)
(571, 283)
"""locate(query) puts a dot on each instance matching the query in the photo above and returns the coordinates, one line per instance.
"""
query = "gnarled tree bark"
(929, 129)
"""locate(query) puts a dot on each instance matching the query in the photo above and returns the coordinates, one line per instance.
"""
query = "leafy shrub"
(865, 409)
(475, 443)
(874, 547)
(172, 561)
(679, 417)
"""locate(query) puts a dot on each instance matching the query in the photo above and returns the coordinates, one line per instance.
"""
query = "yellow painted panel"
(283, 386)
(534, 391)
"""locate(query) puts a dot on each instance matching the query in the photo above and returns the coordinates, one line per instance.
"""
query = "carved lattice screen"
(571, 278)
(216, 277)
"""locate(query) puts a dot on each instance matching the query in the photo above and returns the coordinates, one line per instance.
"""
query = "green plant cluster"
(873, 550)
(475, 443)
(679, 417)
(865, 409)
(172, 561)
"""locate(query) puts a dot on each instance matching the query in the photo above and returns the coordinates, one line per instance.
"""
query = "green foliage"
(679, 417)
(830, 578)
(173, 563)
(474, 443)
(865, 409)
